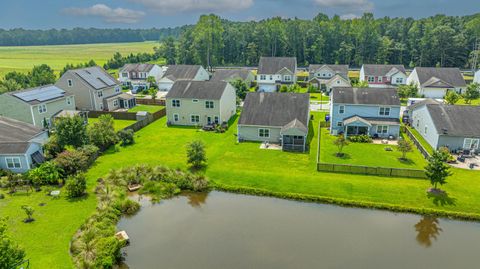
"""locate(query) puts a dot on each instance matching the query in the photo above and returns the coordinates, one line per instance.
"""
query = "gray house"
(435, 82)
(275, 71)
(327, 76)
(179, 72)
(453, 126)
(365, 111)
(230, 75)
(95, 89)
(20, 145)
(200, 103)
(281, 118)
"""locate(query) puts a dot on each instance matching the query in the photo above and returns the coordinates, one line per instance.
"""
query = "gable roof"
(427, 101)
(340, 69)
(230, 74)
(272, 65)
(16, 131)
(137, 68)
(275, 109)
(440, 77)
(455, 120)
(383, 69)
(212, 90)
(185, 72)
(96, 77)
(40, 94)
(365, 96)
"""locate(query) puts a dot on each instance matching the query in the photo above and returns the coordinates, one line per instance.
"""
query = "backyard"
(147, 108)
(117, 124)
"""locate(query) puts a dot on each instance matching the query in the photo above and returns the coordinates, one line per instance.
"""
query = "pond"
(224, 230)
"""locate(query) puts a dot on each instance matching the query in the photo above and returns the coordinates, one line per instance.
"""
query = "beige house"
(179, 72)
(36, 106)
(95, 89)
(200, 103)
(327, 76)
(275, 71)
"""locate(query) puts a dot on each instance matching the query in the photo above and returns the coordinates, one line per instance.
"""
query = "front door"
(209, 120)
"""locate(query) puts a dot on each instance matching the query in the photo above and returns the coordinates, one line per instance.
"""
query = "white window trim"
(399, 80)
(174, 101)
(194, 100)
(176, 117)
(100, 94)
(264, 129)
(70, 83)
(382, 126)
(194, 115)
(41, 111)
(287, 78)
(68, 100)
(339, 124)
(371, 79)
(263, 77)
(13, 162)
(209, 101)
(384, 111)
(340, 109)
(218, 119)
(380, 79)
(471, 140)
(115, 102)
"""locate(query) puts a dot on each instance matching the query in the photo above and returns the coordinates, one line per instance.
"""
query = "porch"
(294, 143)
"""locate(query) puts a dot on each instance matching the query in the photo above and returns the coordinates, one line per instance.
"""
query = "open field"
(22, 59)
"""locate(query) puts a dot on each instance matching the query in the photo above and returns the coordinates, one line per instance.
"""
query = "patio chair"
(461, 158)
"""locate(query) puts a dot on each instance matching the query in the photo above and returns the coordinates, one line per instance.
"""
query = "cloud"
(350, 5)
(349, 16)
(178, 6)
(108, 14)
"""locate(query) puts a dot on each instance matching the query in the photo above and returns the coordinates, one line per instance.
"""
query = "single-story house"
(365, 111)
(281, 118)
(327, 76)
(175, 73)
(434, 82)
(230, 75)
(200, 103)
(275, 71)
(383, 75)
(20, 145)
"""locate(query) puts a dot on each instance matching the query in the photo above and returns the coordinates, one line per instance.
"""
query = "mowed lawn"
(147, 108)
(117, 124)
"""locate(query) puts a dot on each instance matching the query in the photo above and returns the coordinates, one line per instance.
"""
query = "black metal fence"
(370, 170)
(417, 143)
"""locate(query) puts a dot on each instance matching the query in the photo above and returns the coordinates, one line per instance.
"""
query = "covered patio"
(374, 127)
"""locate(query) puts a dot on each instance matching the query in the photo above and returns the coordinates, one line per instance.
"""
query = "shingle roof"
(431, 76)
(40, 94)
(211, 90)
(372, 120)
(272, 65)
(96, 77)
(137, 67)
(230, 74)
(365, 96)
(455, 120)
(427, 101)
(275, 109)
(337, 68)
(382, 69)
(14, 147)
(16, 131)
(183, 72)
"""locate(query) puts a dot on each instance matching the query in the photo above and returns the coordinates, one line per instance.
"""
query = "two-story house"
(135, 75)
(200, 103)
(95, 89)
(435, 82)
(383, 75)
(230, 75)
(365, 111)
(36, 106)
(175, 73)
(20, 145)
(275, 71)
(327, 76)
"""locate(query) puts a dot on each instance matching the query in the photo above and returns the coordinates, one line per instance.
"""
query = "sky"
(46, 14)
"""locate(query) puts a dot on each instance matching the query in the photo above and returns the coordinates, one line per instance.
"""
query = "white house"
(136, 74)
(274, 71)
(433, 82)
(477, 77)
(182, 72)
(327, 76)
(383, 75)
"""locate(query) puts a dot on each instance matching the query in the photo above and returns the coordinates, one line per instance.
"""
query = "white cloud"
(349, 16)
(177, 6)
(350, 5)
(110, 15)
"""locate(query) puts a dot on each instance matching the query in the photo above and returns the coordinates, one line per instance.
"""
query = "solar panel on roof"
(40, 94)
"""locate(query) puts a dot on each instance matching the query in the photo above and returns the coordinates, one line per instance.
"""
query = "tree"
(404, 147)
(71, 131)
(9, 85)
(153, 93)
(29, 212)
(436, 170)
(452, 97)
(472, 93)
(196, 155)
(52, 148)
(72, 161)
(76, 185)
(340, 142)
(102, 133)
(208, 40)
(42, 75)
(241, 88)
(168, 50)
(10, 253)
(407, 91)
(153, 82)
(20, 78)
(360, 84)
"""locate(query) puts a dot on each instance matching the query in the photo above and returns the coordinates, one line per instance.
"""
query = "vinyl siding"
(14, 108)
(250, 133)
(421, 119)
(228, 104)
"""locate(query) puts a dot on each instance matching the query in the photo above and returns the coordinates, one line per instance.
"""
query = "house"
(434, 82)
(274, 71)
(36, 106)
(280, 118)
(175, 73)
(200, 103)
(365, 111)
(476, 79)
(453, 126)
(327, 76)
(95, 89)
(135, 75)
(20, 145)
(230, 75)
(383, 75)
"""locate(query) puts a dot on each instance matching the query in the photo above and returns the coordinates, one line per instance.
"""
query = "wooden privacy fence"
(114, 114)
(146, 121)
(370, 170)
(150, 102)
(417, 143)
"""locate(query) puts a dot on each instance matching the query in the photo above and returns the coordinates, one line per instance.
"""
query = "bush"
(126, 137)
(76, 186)
(46, 173)
(72, 161)
(360, 139)
(128, 207)
(52, 148)
(108, 252)
(196, 155)
(91, 152)
(70, 131)
(102, 133)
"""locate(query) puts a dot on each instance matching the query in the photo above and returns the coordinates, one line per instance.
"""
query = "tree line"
(434, 41)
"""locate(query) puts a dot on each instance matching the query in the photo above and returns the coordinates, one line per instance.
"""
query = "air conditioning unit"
(335, 132)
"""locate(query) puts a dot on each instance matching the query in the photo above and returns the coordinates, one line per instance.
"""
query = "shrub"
(76, 186)
(72, 161)
(91, 152)
(29, 212)
(128, 207)
(108, 250)
(10, 253)
(52, 148)
(196, 155)
(126, 137)
(46, 173)
(102, 133)
(360, 139)
(71, 131)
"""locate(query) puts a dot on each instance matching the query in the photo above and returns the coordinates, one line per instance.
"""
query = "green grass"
(422, 140)
(22, 59)
(318, 96)
(147, 108)
(118, 124)
(472, 103)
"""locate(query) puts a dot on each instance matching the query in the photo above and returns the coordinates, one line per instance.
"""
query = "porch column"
(304, 142)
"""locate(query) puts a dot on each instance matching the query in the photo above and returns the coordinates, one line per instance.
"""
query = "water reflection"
(428, 229)
(196, 199)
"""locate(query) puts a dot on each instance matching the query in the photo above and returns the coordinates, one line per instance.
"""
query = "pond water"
(224, 230)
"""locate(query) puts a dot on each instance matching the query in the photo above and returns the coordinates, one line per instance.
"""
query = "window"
(263, 132)
(399, 80)
(380, 79)
(418, 123)
(175, 117)
(341, 109)
(287, 78)
(425, 130)
(208, 104)
(117, 89)
(70, 83)
(382, 129)
(216, 120)
(125, 75)
(338, 81)
(13, 163)
(175, 103)
(384, 111)
(339, 124)
(194, 118)
(69, 101)
(263, 77)
(371, 79)
(271, 77)
(195, 100)
(100, 94)
(471, 143)
(115, 102)
(42, 108)
(101, 106)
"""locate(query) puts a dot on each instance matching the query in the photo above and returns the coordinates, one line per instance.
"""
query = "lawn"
(472, 103)
(355, 154)
(147, 108)
(118, 124)
(22, 59)
(318, 96)
(422, 140)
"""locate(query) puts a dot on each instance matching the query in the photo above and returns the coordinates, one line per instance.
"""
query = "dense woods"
(434, 41)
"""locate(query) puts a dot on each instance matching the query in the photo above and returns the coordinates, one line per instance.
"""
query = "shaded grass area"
(117, 124)
(147, 108)
(422, 140)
